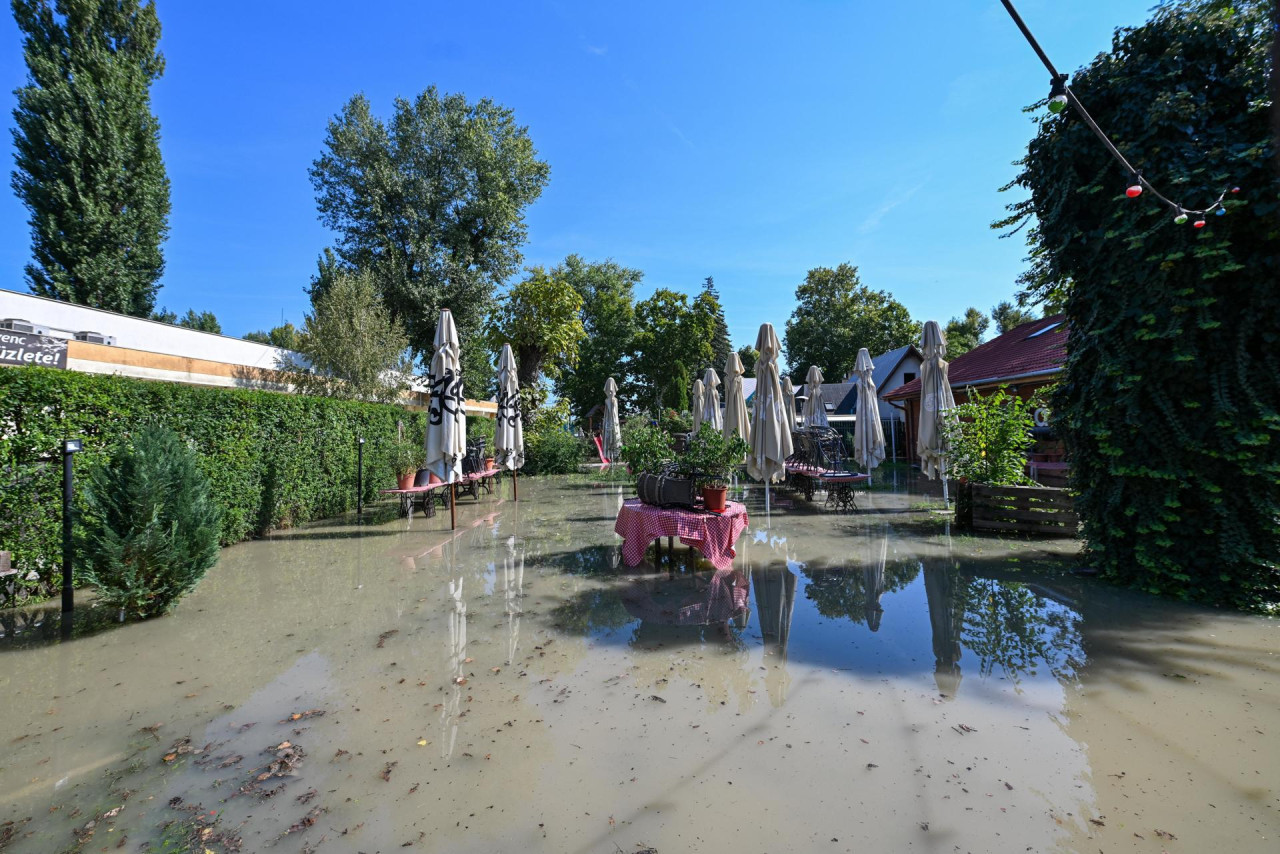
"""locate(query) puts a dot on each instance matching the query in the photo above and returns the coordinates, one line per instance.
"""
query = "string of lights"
(1061, 97)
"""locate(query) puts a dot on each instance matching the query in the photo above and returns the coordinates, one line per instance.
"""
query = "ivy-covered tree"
(431, 203)
(540, 317)
(87, 152)
(1170, 401)
(609, 320)
(836, 314)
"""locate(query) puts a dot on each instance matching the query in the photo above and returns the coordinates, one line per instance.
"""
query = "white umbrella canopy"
(789, 396)
(868, 433)
(936, 400)
(711, 400)
(695, 404)
(815, 410)
(509, 435)
(612, 438)
(735, 402)
(770, 433)
(447, 418)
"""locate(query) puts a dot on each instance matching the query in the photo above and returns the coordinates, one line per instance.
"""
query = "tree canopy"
(835, 315)
(431, 204)
(1170, 402)
(541, 318)
(749, 356)
(965, 333)
(284, 336)
(720, 346)
(87, 152)
(608, 318)
(350, 346)
(670, 332)
(1008, 316)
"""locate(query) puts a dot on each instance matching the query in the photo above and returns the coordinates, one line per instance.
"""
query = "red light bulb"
(1199, 223)
(1134, 191)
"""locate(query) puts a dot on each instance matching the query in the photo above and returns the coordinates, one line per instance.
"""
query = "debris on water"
(386, 772)
(656, 697)
(1164, 834)
(386, 636)
(306, 821)
(297, 716)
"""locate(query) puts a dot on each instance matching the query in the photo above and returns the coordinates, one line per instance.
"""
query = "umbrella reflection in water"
(457, 658)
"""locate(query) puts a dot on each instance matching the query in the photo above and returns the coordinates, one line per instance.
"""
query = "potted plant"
(407, 457)
(710, 459)
(646, 448)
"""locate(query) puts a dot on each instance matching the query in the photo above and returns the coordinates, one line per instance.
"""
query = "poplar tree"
(87, 151)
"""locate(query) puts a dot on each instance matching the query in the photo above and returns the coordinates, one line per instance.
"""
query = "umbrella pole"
(942, 468)
(515, 486)
(453, 505)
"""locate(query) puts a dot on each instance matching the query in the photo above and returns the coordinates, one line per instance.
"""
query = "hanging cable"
(1061, 96)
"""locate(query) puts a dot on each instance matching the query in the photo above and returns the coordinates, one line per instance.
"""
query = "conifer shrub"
(150, 527)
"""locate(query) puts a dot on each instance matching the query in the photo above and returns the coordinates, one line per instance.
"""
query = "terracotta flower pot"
(488, 463)
(406, 480)
(713, 498)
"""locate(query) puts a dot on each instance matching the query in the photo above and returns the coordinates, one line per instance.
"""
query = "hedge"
(274, 459)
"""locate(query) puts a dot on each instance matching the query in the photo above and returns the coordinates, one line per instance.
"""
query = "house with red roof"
(1024, 360)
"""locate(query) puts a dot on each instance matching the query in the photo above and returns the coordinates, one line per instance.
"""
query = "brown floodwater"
(856, 682)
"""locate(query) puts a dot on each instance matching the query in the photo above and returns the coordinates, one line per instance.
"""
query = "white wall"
(63, 320)
(909, 365)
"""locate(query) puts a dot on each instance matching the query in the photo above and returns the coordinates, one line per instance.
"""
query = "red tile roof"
(1015, 354)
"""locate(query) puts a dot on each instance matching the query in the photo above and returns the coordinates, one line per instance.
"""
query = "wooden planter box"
(1028, 509)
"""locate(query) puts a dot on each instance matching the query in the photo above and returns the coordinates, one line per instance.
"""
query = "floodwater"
(857, 682)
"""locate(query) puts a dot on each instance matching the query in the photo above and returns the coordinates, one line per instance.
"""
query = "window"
(907, 377)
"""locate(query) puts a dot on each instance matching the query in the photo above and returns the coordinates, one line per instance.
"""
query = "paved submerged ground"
(510, 687)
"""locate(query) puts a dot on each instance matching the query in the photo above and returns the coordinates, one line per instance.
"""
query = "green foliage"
(675, 422)
(482, 428)
(87, 152)
(204, 321)
(273, 460)
(407, 455)
(609, 320)
(432, 204)
(671, 331)
(676, 393)
(835, 315)
(749, 356)
(710, 457)
(349, 345)
(549, 446)
(1170, 401)
(989, 437)
(720, 346)
(645, 447)
(540, 317)
(965, 333)
(284, 336)
(1007, 316)
(150, 528)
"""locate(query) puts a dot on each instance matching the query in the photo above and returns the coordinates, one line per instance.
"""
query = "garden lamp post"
(69, 448)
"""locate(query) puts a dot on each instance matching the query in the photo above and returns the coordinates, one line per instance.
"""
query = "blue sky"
(749, 141)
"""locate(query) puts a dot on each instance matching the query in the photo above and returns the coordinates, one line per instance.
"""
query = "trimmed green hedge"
(273, 460)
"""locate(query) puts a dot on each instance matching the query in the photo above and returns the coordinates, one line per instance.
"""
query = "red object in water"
(600, 450)
(1134, 191)
(1198, 223)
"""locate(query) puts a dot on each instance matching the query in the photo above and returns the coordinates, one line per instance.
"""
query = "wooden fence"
(1037, 510)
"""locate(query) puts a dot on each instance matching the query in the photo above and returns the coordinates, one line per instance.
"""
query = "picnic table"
(470, 484)
(712, 534)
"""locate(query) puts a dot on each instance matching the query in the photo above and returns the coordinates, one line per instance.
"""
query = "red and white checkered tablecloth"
(713, 534)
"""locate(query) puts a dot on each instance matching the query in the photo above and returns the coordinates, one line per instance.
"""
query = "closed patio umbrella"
(789, 398)
(509, 435)
(447, 425)
(711, 399)
(815, 409)
(695, 404)
(735, 402)
(612, 438)
(868, 433)
(770, 434)
(936, 400)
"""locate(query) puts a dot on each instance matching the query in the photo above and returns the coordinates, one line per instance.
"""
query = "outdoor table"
(712, 534)
(838, 484)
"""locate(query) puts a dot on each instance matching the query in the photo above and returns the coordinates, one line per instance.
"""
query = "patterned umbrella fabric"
(447, 418)
(509, 436)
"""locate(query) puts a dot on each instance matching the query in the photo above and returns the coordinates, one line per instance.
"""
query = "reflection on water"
(513, 671)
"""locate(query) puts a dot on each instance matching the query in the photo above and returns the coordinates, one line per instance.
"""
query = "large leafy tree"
(749, 356)
(350, 346)
(1008, 316)
(1170, 402)
(720, 346)
(835, 315)
(87, 152)
(541, 318)
(431, 203)
(671, 332)
(284, 336)
(608, 317)
(964, 333)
